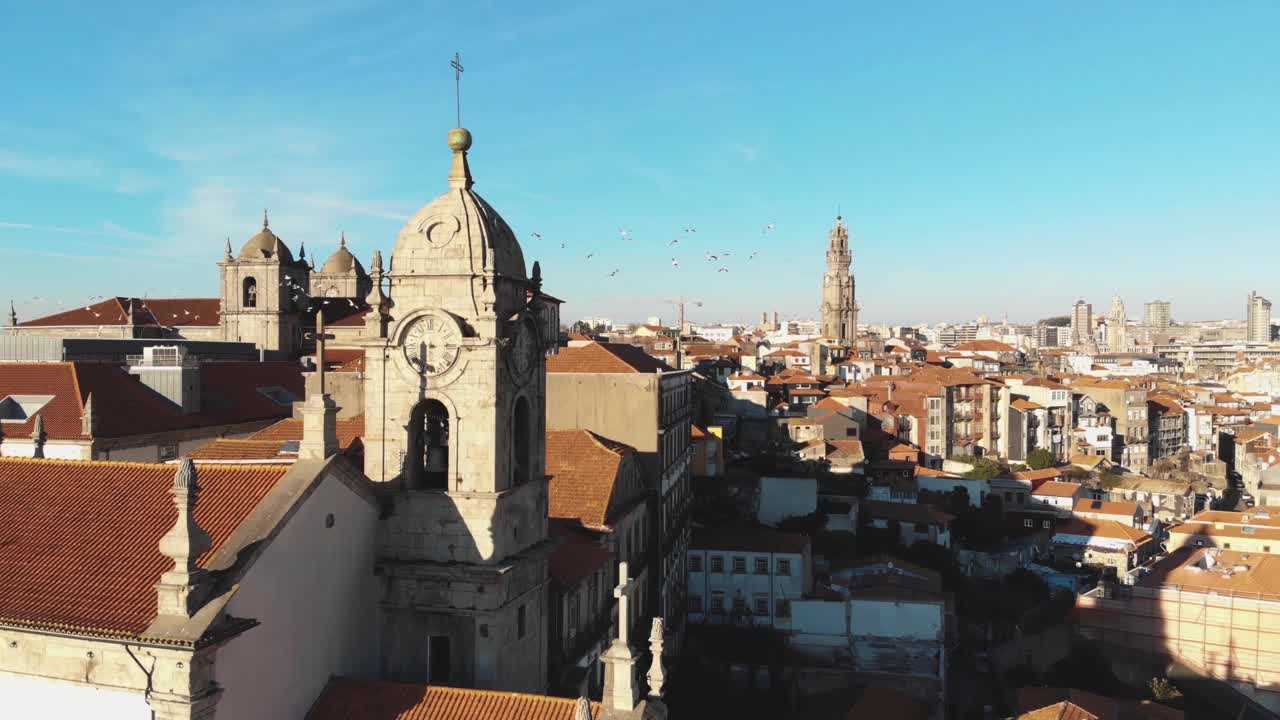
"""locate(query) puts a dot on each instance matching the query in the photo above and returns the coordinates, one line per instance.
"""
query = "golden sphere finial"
(460, 139)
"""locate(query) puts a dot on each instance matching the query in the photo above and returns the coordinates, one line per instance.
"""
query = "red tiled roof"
(576, 557)
(1053, 488)
(123, 406)
(748, 540)
(1105, 507)
(79, 541)
(584, 474)
(61, 414)
(291, 429)
(353, 699)
(604, 358)
(1112, 529)
(151, 312)
(245, 450)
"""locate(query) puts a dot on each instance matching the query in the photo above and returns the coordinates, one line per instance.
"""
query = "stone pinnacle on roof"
(38, 437)
(229, 246)
(582, 710)
(177, 593)
(265, 224)
(13, 315)
(657, 676)
(460, 171)
(342, 241)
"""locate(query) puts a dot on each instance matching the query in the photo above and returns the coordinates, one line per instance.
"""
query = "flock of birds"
(688, 233)
(300, 292)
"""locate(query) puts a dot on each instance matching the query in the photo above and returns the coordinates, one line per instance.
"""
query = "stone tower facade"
(455, 406)
(839, 307)
(264, 293)
(341, 276)
(1117, 327)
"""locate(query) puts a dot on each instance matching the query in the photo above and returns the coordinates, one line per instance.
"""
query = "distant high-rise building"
(1258, 328)
(839, 309)
(1082, 324)
(1157, 315)
(1117, 330)
(653, 320)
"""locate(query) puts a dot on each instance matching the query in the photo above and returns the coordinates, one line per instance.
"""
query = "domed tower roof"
(342, 261)
(458, 233)
(266, 245)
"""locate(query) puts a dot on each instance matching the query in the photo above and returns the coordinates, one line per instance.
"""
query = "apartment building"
(747, 576)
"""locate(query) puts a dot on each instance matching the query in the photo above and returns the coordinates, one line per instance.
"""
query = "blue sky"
(989, 157)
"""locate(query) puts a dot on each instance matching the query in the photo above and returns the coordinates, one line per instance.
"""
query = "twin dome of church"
(457, 232)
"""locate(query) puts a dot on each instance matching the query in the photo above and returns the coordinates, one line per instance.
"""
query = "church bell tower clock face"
(431, 343)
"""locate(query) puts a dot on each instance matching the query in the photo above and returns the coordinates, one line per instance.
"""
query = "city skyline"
(952, 148)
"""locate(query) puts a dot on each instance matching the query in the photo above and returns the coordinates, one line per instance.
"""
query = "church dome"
(458, 233)
(266, 245)
(342, 261)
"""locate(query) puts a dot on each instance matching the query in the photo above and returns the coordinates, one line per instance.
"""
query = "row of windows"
(760, 566)
(759, 604)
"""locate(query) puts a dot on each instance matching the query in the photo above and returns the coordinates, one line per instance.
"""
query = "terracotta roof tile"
(79, 541)
(576, 557)
(1112, 529)
(291, 429)
(353, 699)
(149, 312)
(244, 450)
(584, 470)
(61, 414)
(1105, 507)
(1053, 488)
(604, 358)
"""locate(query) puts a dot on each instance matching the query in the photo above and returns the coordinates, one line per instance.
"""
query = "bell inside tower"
(426, 462)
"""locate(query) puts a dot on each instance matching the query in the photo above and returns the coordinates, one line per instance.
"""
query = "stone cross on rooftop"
(320, 336)
(624, 588)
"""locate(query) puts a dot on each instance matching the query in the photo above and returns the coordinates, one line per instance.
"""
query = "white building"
(747, 576)
(784, 497)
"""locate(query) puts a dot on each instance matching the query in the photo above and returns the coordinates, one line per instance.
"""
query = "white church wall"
(316, 597)
(26, 696)
(53, 450)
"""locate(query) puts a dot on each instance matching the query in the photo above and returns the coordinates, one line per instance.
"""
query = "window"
(717, 564)
(438, 659)
(250, 293)
(717, 601)
(739, 604)
(520, 622)
(522, 453)
(762, 566)
(762, 604)
(784, 567)
(1027, 523)
(695, 563)
(1047, 523)
(168, 452)
(739, 566)
(695, 603)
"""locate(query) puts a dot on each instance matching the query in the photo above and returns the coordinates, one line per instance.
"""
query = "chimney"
(319, 428)
(171, 372)
(38, 437)
(178, 594)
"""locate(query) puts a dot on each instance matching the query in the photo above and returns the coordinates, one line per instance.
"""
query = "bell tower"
(264, 292)
(455, 398)
(839, 308)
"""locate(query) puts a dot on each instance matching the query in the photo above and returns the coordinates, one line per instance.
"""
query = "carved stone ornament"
(440, 230)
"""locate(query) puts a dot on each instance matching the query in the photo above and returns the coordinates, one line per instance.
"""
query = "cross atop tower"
(320, 336)
(456, 64)
(625, 587)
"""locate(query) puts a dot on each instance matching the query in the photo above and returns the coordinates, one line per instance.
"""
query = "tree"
(986, 469)
(580, 328)
(1163, 690)
(1039, 459)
